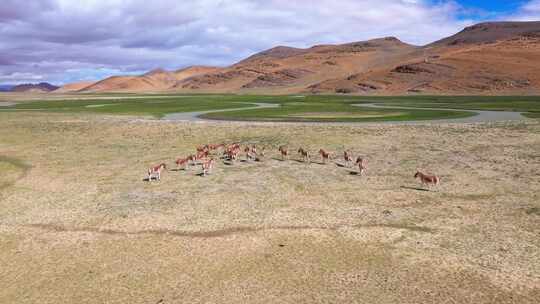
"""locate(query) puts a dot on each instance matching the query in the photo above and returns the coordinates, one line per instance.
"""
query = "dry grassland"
(78, 224)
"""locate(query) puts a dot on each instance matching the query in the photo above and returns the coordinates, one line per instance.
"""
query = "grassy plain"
(79, 225)
(292, 108)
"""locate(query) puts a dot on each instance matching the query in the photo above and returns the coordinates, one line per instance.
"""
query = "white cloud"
(529, 11)
(135, 35)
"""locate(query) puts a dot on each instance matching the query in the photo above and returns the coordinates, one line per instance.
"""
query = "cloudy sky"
(63, 41)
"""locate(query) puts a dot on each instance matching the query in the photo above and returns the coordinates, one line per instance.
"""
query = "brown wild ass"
(155, 172)
(347, 156)
(182, 163)
(325, 155)
(232, 152)
(207, 166)
(361, 163)
(284, 152)
(304, 154)
(216, 147)
(427, 180)
(251, 152)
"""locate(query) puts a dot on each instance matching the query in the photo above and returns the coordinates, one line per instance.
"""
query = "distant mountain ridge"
(6, 87)
(41, 87)
(486, 58)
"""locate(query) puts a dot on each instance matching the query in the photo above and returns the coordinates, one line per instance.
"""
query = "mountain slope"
(490, 32)
(289, 70)
(74, 87)
(490, 58)
(487, 58)
(154, 81)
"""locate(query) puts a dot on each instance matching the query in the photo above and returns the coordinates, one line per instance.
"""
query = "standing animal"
(347, 156)
(207, 166)
(201, 155)
(284, 152)
(155, 172)
(259, 155)
(304, 154)
(361, 163)
(182, 163)
(216, 147)
(202, 149)
(325, 155)
(251, 152)
(232, 153)
(427, 180)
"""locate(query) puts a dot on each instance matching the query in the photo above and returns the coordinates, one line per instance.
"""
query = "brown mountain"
(42, 87)
(154, 81)
(487, 58)
(288, 70)
(74, 87)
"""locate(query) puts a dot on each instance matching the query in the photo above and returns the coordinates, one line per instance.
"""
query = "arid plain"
(79, 224)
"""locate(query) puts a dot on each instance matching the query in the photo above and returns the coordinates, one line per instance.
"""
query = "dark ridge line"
(220, 233)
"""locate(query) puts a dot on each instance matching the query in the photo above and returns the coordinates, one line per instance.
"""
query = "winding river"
(481, 116)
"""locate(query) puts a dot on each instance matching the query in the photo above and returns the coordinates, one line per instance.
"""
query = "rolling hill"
(487, 58)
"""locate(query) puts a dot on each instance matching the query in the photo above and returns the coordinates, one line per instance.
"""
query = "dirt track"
(82, 227)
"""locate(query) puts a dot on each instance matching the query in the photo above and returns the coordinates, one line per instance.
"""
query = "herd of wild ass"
(205, 157)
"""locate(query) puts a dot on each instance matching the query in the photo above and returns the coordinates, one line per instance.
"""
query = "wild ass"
(207, 166)
(347, 156)
(325, 155)
(427, 180)
(284, 152)
(304, 154)
(155, 172)
(361, 163)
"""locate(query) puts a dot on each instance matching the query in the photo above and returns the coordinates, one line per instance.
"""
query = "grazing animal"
(201, 155)
(182, 163)
(251, 152)
(325, 155)
(347, 156)
(304, 154)
(361, 163)
(259, 155)
(427, 180)
(233, 146)
(155, 172)
(232, 153)
(284, 152)
(202, 149)
(216, 147)
(207, 166)
(247, 150)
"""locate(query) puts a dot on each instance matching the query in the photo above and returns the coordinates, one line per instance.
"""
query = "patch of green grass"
(311, 108)
(532, 114)
(152, 105)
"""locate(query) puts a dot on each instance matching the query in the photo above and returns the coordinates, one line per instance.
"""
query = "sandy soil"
(78, 224)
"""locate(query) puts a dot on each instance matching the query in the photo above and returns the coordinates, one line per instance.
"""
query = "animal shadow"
(146, 179)
(340, 165)
(415, 188)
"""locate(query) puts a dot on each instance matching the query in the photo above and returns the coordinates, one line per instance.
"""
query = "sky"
(63, 41)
